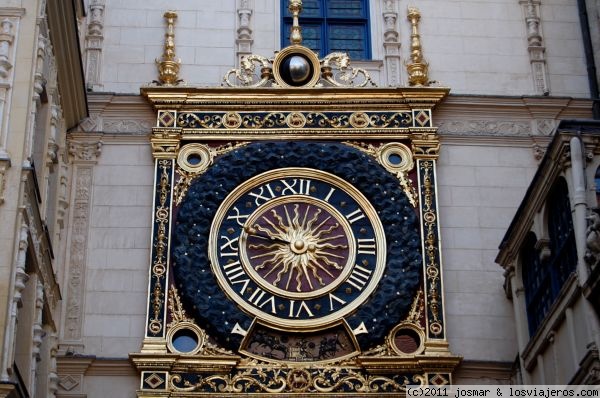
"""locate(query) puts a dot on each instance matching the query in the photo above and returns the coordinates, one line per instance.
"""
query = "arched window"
(543, 280)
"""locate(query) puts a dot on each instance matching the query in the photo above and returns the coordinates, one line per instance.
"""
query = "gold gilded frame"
(159, 369)
(371, 214)
(296, 49)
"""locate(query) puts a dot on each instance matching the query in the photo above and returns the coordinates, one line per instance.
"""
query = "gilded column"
(84, 155)
(168, 64)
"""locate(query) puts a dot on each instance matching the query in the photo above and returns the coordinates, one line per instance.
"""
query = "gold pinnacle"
(296, 33)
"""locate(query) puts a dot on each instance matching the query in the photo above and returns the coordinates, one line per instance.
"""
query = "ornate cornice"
(482, 119)
(198, 98)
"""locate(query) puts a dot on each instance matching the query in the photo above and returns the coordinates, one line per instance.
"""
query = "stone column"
(517, 292)
(20, 278)
(84, 155)
(244, 38)
(8, 26)
(536, 48)
(38, 334)
(94, 40)
(391, 43)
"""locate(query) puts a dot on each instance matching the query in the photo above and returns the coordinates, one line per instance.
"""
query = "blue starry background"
(203, 298)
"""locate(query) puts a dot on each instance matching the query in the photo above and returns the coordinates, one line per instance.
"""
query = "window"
(543, 280)
(331, 25)
(536, 279)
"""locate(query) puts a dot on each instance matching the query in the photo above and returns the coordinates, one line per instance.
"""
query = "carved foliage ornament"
(297, 66)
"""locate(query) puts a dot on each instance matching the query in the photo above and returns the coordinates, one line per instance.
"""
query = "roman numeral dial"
(297, 247)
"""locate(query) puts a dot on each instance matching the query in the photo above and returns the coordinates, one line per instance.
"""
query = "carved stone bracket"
(165, 142)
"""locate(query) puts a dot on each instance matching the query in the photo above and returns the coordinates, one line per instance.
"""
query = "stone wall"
(499, 47)
(480, 187)
(119, 249)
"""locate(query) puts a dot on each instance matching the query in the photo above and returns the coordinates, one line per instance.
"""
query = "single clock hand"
(254, 232)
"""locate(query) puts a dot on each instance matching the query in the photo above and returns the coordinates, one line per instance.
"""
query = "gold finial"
(417, 69)
(168, 65)
(296, 33)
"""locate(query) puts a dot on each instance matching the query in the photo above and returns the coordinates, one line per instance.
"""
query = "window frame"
(553, 272)
(324, 21)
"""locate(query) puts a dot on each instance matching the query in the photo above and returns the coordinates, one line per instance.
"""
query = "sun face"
(297, 247)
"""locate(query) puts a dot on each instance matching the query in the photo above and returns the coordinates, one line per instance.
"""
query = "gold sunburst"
(302, 244)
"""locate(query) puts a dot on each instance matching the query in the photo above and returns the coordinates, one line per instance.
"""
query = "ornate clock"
(286, 245)
(296, 243)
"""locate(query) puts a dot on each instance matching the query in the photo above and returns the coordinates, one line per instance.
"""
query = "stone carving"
(6, 39)
(538, 151)
(76, 274)
(63, 202)
(592, 240)
(93, 44)
(84, 155)
(391, 43)
(38, 77)
(135, 126)
(485, 127)
(244, 37)
(52, 150)
(536, 48)
(85, 150)
(90, 124)
(545, 126)
(21, 279)
(38, 333)
(4, 165)
(39, 242)
(52, 369)
(68, 382)
(21, 276)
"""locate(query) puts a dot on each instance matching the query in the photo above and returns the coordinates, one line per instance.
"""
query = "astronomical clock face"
(296, 251)
(297, 247)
